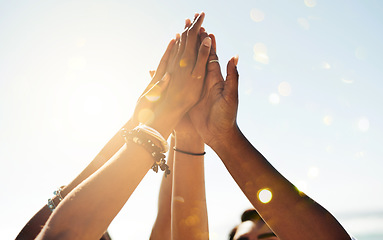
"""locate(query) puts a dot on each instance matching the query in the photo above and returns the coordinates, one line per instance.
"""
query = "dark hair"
(249, 214)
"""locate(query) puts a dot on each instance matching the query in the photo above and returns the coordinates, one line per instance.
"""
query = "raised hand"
(187, 73)
(214, 116)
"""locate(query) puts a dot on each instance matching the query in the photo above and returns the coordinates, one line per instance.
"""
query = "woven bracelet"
(188, 153)
(142, 138)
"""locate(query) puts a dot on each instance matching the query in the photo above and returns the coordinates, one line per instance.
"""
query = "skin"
(79, 218)
(290, 213)
(182, 212)
(36, 223)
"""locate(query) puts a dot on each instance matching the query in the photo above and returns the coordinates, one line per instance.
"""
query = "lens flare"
(284, 89)
(310, 3)
(265, 195)
(274, 98)
(260, 53)
(154, 94)
(183, 63)
(313, 172)
(325, 65)
(327, 120)
(257, 15)
(304, 23)
(363, 124)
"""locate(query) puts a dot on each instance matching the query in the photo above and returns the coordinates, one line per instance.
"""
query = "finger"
(231, 83)
(213, 63)
(164, 60)
(152, 72)
(192, 36)
(183, 37)
(203, 54)
(161, 69)
(173, 54)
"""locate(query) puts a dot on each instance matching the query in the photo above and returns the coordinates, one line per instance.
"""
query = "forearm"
(189, 212)
(161, 227)
(290, 213)
(36, 223)
(88, 210)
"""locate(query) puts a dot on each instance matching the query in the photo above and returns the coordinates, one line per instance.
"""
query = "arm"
(290, 214)
(91, 206)
(161, 228)
(36, 223)
(189, 211)
(176, 217)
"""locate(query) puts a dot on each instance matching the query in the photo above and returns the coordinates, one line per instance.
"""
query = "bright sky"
(310, 99)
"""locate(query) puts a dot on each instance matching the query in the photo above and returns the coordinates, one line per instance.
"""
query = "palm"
(215, 113)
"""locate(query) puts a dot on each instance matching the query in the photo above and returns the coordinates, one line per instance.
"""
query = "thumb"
(231, 83)
(152, 72)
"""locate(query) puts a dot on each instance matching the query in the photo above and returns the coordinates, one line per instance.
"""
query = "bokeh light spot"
(257, 15)
(304, 23)
(347, 81)
(326, 65)
(301, 186)
(260, 53)
(145, 116)
(363, 124)
(310, 3)
(284, 89)
(327, 120)
(274, 98)
(183, 63)
(313, 172)
(265, 195)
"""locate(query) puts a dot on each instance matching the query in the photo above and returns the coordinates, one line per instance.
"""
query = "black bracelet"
(142, 138)
(189, 153)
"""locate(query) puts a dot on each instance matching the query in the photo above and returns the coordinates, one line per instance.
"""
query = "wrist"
(189, 142)
(226, 140)
(165, 120)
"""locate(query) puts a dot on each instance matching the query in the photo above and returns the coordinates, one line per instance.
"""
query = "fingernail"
(166, 77)
(236, 59)
(207, 42)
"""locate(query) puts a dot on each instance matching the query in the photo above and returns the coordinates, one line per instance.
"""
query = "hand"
(187, 73)
(214, 116)
(151, 96)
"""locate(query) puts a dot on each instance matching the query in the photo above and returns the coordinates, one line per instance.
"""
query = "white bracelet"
(154, 133)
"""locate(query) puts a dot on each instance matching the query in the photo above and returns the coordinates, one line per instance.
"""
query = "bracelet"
(154, 133)
(51, 204)
(189, 153)
(138, 136)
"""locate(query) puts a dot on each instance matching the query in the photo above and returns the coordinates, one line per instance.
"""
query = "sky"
(310, 100)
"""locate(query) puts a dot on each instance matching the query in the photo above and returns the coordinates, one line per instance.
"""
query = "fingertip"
(236, 58)
(207, 42)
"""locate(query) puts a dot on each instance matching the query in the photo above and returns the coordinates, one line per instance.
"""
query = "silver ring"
(214, 60)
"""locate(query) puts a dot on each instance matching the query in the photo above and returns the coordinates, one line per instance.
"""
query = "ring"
(214, 60)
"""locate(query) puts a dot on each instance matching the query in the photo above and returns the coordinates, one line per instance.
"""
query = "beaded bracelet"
(154, 133)
(138, 136)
